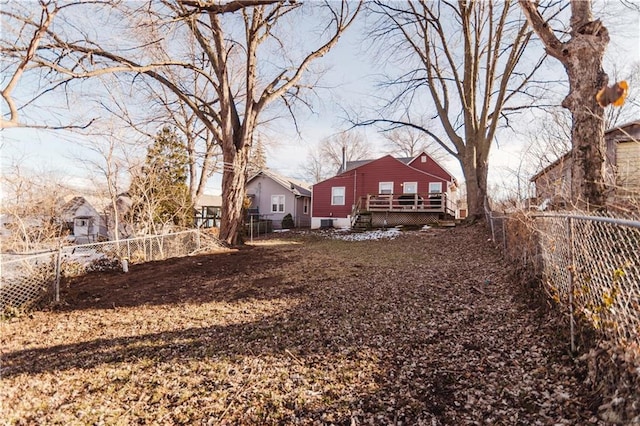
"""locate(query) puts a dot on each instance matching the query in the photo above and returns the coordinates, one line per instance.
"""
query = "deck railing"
(431, 203)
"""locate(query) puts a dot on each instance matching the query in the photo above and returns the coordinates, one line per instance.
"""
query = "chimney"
(344, 159)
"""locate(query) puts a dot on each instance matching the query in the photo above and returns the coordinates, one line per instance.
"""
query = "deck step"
(363, 221)
(447, 223)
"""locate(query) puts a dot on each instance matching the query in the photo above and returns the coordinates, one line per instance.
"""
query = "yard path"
(425, 329)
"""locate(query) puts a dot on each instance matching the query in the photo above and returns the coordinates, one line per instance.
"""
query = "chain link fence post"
(572, 268)
(58, 273)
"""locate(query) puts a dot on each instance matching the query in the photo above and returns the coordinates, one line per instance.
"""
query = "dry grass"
(423, 329)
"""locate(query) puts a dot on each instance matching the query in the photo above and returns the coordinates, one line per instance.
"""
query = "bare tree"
(227, 58)
(582, 57)
(109, 172)
(468, 58)
(327, 159)
(547, 140)
(31, 205)
(409, 142)
(25, 32)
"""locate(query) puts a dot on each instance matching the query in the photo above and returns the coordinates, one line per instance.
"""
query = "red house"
(387, 191)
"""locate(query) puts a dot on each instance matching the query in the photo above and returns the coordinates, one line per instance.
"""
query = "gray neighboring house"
(84, 221)
(274, 196)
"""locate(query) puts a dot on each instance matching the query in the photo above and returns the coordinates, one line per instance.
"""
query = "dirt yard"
(424, 329)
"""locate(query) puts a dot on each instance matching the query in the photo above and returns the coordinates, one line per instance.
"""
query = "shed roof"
(69, 209)
(209, 201)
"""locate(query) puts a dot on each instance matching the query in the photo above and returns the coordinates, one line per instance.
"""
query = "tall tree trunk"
(234, 179)
(475, 167)
(586, 75)
(582, 57)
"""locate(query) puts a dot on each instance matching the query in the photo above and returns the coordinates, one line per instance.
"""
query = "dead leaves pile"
(421, 330)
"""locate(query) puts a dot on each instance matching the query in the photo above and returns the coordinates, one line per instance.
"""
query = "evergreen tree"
(160, 192)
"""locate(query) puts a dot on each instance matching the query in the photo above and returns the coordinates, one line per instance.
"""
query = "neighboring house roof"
(71, 206)
(69, 210)
(297, 187)
(621, 133)
(209, 201)
(544, 171)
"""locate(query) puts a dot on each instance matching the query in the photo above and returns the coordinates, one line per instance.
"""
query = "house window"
(337, 196)
(305, 206)
(423, 159)
(277, 204)
(81, 222)
(435, 187)
(410, 188)
(385, 188)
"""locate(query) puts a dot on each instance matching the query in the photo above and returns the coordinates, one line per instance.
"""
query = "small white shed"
(83, 220)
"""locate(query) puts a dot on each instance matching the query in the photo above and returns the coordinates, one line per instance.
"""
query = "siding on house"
(555, 182)
(365, 179)
(628, 167)
(265, 185)
(622, 169)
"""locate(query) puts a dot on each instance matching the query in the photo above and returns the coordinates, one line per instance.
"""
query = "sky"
(356, 72)
(351, 71)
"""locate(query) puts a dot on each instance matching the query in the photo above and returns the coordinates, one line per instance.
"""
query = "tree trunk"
(582, 57)
(587, 132)
(234, 181)
(475, 169)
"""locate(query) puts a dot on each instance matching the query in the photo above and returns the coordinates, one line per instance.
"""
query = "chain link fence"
(25, 280)
(590, 265)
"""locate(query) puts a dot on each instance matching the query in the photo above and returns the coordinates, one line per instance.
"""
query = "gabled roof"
(351, 165)
(411, 160)
(69, 209)
(297, 187)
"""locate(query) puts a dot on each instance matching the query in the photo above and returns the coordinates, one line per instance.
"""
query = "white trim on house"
(277, 203)
(385, 187)
(413, 187)
(435, 187)
(336, 193)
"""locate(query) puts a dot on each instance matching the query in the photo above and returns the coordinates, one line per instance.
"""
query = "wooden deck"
(402, 209)
(432, 203)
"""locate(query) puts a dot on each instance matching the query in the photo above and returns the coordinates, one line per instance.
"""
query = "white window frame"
(338, 195)
(413, 185)
(275, 202)
(385, 190)
(435, 187)
(305, 206)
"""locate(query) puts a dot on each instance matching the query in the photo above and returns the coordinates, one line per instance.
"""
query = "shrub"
(287, 221)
